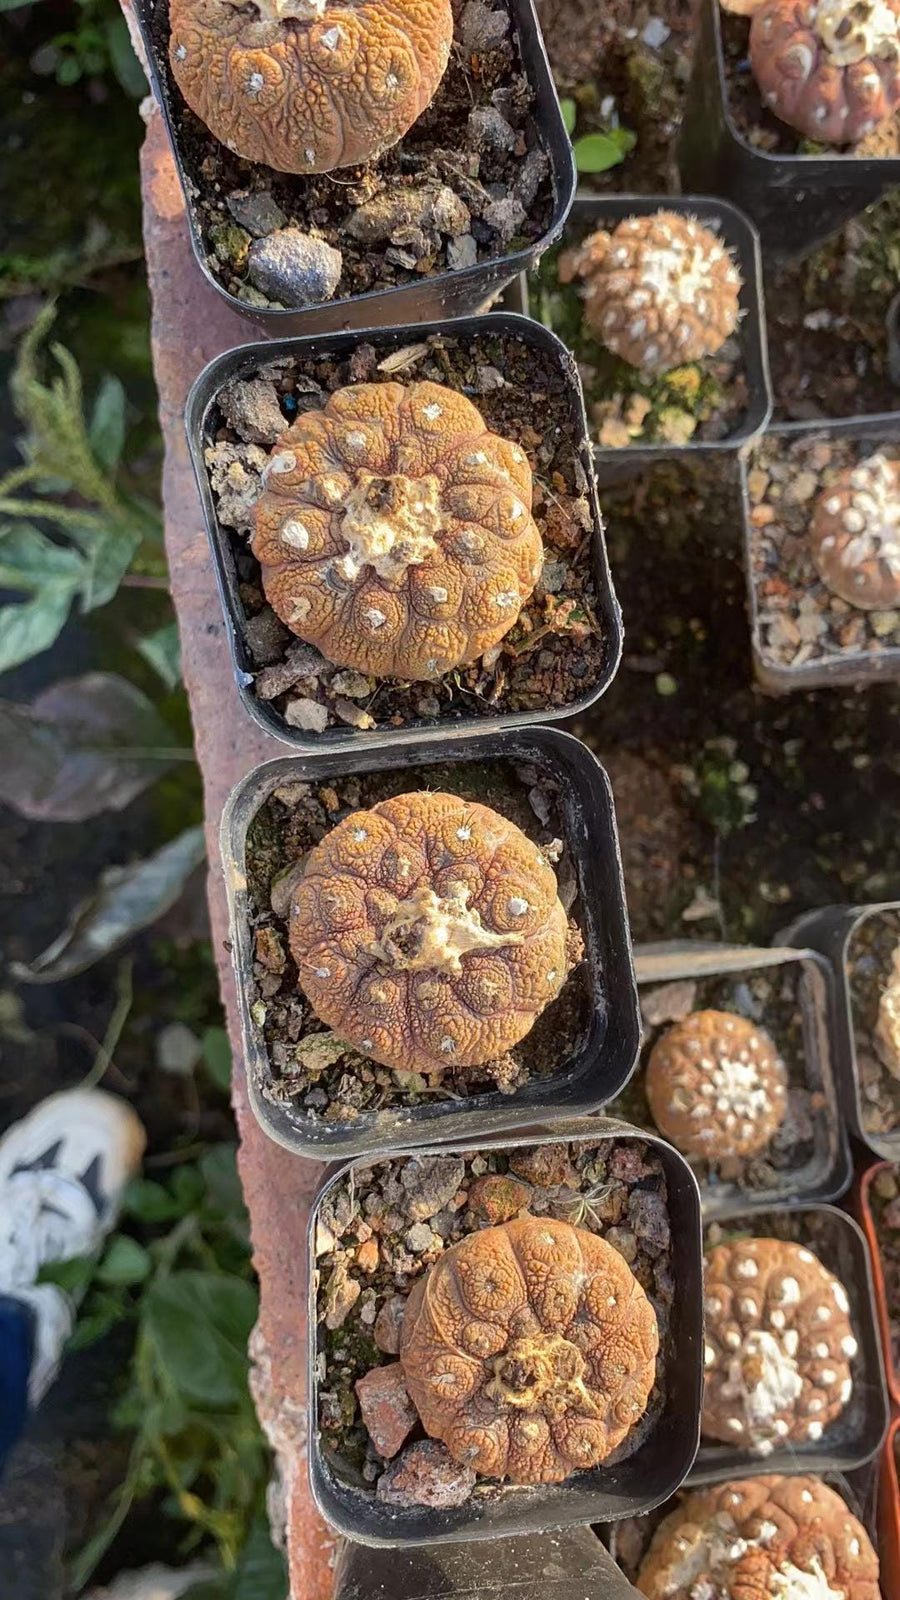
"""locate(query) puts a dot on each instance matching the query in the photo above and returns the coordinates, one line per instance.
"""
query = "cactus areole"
(828, 68)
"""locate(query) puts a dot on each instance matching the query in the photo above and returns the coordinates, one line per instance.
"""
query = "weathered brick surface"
(190, 325)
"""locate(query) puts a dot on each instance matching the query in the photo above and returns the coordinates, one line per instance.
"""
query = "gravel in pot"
(397, 1241)
(475, 187)
(822, 558)
(461, 630)
(510, 991)
(736, 1063)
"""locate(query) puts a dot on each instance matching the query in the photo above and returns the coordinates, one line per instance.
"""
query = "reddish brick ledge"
(190, 325)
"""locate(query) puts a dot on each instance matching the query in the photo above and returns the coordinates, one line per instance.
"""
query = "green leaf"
(126, 900)
(85, 745)
(149, 1201)
(73, 1275)
(104, 1313)
(218, 1168)
(124, 1262)
(108, 560)
(217, 1057)
(261, 1573)
(68, 71)
(199, 1324)
(597, 152)
(30, 562)
(162, 651)
(187, 1187)
(26, 630)
(569, 112)
(106, 431)
(125, 63)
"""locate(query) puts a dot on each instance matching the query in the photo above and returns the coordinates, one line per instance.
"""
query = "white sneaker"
(63, 1170)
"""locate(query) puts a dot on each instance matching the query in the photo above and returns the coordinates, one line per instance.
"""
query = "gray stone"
(306, 714)
(250, 406)
(401, 216)
(505, 217)
(257, 212)
(301, 661)
(668, 1002)
(177, 1049)
(266, 637)
(480, 27)
(531, 174)
(489, 130)
(294, 268)
(389, 1323)
(430, 1183)
(425, 1475)
(418, 1238)
(462, 252)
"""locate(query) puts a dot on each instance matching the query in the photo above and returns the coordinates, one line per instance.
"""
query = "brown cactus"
(855, 535)
(716, 1086)
(661, 290)
(428, 932)
(308, 85)
(828, 68)
(761, 1539)
(530, 1350)
(395, 532)
(779, 1345)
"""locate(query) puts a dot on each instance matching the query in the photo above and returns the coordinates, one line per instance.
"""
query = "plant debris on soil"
(702, 400)
(309, 1065)
(869, 952)
(381, 1227)
(799, 620)
(556, 653)
(784, 1003)
(467, 183)
(761, 128)
(826, 1235)
(884, 1201)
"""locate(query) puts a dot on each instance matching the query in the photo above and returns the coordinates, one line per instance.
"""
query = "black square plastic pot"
(201, 414)
(447, 294)
(856, 1436)
(738, 233)
(830, 930)
(796, 201)
(616, 1489)
(827, 1173)
(844, 667)
(607, 1053)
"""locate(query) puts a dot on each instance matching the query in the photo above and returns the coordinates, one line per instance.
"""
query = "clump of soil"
(309, 1065)
(781, 1001)
(702, 400)
(827, 321)
(871, 946)
(380, 1228)
(760, 127)
(654, 839)
(884, 1199)
(823, 1232)
(626, 66)
(558, 651)
(799, 620)
(499, 180)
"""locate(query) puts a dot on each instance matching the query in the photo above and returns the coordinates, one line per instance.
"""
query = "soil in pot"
(701, 400)
(309, 1064)
(827, 321)
(764, 131)
(467, 183)
(800, 619)
(555, 653)
(624, 68)
(769, 998)
(381, 1228)
(884, 1201)
(869, 955)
